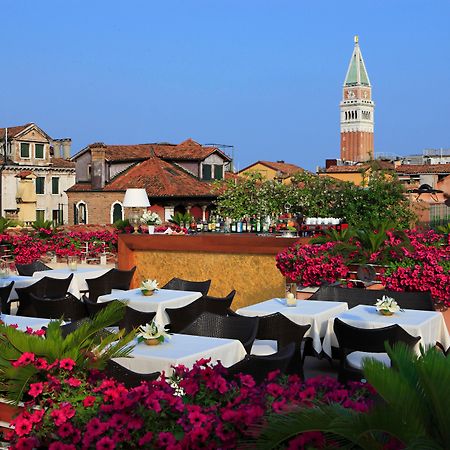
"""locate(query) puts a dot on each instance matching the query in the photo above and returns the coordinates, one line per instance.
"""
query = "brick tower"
(357, 111)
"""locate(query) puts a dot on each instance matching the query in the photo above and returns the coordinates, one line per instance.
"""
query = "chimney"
(57, 148)
(98, 165)
(66, 144)
(330, 162)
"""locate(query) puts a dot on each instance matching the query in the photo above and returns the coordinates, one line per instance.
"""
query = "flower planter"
(7, 413)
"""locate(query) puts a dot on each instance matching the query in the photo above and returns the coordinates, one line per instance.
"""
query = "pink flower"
(65, 430)
(146, 439)
(22, 426)
(73, 382)
(24, 360)
(36, 389)
(67, 364)
(165, 439)
(88, 401)
(41, 363)
(105, 443)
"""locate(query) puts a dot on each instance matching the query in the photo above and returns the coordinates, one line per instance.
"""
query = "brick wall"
(98, 205)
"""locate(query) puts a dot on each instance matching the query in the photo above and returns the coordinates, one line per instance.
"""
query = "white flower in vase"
(148, 287)
(152, 333)
(387, 306)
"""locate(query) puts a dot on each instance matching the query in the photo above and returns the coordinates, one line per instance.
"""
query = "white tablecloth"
(315, 313)
(23, 322)
(158, 302)
(19, 282)
(429, 325)
(182, 349)
(79, 277)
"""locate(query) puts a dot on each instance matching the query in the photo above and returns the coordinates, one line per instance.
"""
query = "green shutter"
(55, 185)
(39, 150)
(24, 150)
(40, 215)
(40, 185)
(206, 171)
(218, 172)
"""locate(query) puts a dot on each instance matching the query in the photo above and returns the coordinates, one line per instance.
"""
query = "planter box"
(7, 413)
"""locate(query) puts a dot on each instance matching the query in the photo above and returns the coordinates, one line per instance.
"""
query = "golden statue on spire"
(356, 38)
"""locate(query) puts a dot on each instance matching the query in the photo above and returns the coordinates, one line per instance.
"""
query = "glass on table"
(291, 293)
(4, 269)
(72, 262)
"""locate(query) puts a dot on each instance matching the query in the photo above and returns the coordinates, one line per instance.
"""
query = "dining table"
(20, 281)
(304, 312)
(429, 325)
(182, 349)
(158, 302)
(80, 275)
(22, 322)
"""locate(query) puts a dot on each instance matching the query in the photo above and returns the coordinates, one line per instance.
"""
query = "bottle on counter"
(239, 226)
(258, 225)
(233, 226)
(219, 228)
(199, 226)
(205, 226)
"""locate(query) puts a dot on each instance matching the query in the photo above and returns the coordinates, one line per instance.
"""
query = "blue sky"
(264, 76)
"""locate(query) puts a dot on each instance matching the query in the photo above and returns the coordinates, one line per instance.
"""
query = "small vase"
(153, 341)
(151, 229)
(147, 292)
(385, 312)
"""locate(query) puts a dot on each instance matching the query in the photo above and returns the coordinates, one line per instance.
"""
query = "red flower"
(22, 426)
(73, 382)
(67, 364)
(88, 401)
(25, 359)
(105, 443)
(36, 389)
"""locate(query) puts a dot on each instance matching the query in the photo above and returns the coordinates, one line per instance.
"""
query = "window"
(116, 212)
(55, 185)
(80, 214)
(40, 182)
(40, 215)
(24, 150)
(57, 217)
(218, 171)
(89, 171)
(39, 151)
(207, 171)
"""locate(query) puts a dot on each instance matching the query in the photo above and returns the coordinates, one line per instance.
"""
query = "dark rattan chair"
(26, 308)
(101, 285)
(213, 325)
(180, 318)
(5, 292)
(29, 269)
(260, 366)
(57, 287)
(68, 308)
(179, 284)
(354, 342)
(218, 305)
(121, 279)
(281, 329)
(68, 328)
(353, 297)
(129, 378)
(134, 318)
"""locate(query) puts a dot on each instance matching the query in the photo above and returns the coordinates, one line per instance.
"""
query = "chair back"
(101, 285)
(26, 308)
(370, 340)
(260, 366)
(213, 325)
(121, 279)
(56, 287)
(5, 292)
(180, 318)
(218, 305)
(70, 327)
(353, 297)
(29, 269)
(68, 308)
(281, 329)
(129, 378)
(178, 284)
(134, 318)
(93, 308)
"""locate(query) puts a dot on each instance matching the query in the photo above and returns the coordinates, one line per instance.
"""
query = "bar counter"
(232, 261)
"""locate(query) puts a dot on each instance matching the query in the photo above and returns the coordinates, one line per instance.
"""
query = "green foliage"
(444, 228)
(180, 218)
(42, 224)
(122, 225)
(88, 346)
(380, 198)
(4, 224)
(413, 409)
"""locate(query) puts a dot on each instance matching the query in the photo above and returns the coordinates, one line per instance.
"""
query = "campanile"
(357, 110)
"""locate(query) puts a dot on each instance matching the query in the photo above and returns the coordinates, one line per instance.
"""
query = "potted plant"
(148, 287)
(151, 219)
(152, 333)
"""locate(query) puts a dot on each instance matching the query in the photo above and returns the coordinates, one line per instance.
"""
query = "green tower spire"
(357, 73)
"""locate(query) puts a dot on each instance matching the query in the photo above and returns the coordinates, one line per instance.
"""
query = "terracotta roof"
(283, 167)
(80, 187)
(63, 163)
(355, 168)
(13, 131)
(161, 179)
(423, 168)
(24, 174)
(186, 150)
(127, 152)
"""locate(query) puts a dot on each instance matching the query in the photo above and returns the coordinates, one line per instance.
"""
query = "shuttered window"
(24, 150)
(55, 185)
(39, 151)
(40, 181)
(206, 171)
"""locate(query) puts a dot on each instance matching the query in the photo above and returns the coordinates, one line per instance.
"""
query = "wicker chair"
(279, 328)
(29, 269)
(180, 318)
(260, 366)
(101, 285)
(129, 378)
(213, 325)
(134, 318)
(357, 343)
(5, 292)
(218, 305)
(179, 284)
(68, 328)
(69, 308)
(26, 308)
(353, 297)
(121, 279)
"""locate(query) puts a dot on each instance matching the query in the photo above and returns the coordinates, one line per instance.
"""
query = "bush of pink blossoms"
(196, 408)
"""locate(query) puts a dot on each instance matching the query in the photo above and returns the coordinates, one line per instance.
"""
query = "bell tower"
(357, 110)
